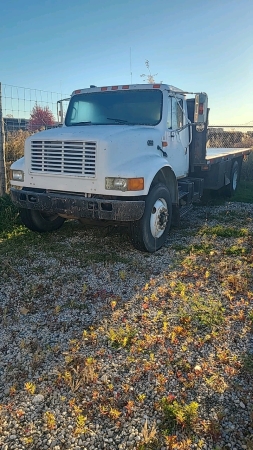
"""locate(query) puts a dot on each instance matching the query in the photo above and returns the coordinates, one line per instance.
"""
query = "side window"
(169, 118)
(177, 113)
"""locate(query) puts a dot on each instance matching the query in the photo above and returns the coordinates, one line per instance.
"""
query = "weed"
(236, 250)
(30, 387)
(122, 336)
(250, 317)
(27, 440)
(81, 427)
(114, 414)
(212, 428)
(173, 443)
(50, 420)
(199, 249)
(204, 312)
(217, 383)
(175, 413)
(76, 377)
(148, 436)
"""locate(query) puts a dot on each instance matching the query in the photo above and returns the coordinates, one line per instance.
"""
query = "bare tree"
(149, 77)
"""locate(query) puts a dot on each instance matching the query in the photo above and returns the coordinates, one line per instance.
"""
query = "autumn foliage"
(41, 117)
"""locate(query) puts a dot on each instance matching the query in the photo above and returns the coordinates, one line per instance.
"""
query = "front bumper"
(78, 206)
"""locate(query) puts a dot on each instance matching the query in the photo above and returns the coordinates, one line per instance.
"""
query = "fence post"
(2, 150)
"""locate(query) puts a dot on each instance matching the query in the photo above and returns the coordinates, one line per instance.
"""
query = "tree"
(41, 117)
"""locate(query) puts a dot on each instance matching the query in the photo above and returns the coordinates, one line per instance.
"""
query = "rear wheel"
(150, 232)
(40, 221)
(234, 178)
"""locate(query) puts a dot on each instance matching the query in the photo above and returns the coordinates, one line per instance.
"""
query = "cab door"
(177, 137)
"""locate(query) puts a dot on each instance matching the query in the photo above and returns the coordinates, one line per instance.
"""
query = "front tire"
(150, 232)
(40, 221)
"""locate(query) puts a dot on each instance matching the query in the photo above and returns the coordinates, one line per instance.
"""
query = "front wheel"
(150, 232)
(40, 221)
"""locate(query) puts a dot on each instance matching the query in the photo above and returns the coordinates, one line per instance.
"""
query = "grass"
(247, 364)
(224, 231)
(9, 218)
(244, 192)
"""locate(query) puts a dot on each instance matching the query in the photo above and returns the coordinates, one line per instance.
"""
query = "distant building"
(13, 124)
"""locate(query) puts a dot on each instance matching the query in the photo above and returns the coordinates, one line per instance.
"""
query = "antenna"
(131, 65)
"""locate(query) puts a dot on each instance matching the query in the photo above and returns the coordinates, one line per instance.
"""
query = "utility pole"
(2, 150)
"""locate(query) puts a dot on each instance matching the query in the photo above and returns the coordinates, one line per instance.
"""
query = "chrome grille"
(64, 158)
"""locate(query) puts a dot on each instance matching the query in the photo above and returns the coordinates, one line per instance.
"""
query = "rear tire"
(150, 232)
(234, 179)
(40, 221)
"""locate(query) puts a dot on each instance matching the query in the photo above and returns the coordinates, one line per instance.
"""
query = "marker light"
(201, 108)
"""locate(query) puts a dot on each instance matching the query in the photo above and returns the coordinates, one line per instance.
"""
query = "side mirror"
(200, 109)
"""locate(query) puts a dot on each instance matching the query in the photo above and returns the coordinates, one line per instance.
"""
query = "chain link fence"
(18, 105)
(25, 111)
(230, 136)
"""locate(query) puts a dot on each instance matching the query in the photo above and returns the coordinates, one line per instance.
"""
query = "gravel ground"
(106, 347)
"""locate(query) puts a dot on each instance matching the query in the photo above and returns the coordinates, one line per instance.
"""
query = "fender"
(19, 164)
(154, 169)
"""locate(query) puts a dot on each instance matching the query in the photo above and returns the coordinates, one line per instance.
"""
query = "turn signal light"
(135, 184)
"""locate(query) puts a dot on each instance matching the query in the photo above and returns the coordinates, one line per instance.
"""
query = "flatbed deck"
(219, 154)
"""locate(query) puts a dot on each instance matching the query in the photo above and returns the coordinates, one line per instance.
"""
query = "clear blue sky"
(195, 45)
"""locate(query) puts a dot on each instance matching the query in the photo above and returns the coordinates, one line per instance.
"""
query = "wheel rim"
(159, 218)
(235, 178)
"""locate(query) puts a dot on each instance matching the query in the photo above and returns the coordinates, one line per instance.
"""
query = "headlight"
(17, 175)
(124, 184)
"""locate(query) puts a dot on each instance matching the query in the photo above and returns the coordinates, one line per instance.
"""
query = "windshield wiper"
(80, 123)
(118, 120)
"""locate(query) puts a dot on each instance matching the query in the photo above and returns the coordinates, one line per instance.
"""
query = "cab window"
(175, 113)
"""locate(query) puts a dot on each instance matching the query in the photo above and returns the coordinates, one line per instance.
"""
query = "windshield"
(131, 107)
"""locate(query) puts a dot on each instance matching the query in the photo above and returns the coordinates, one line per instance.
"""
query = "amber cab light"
(135, 184)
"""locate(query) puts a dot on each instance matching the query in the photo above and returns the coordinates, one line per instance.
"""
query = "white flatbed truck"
(129, 154)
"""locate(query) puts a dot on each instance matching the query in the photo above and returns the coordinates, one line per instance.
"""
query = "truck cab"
(122, 155)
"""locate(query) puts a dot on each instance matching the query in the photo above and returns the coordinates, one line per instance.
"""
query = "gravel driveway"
(106, 347)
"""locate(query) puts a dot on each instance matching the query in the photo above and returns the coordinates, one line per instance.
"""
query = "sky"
(200, 45)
